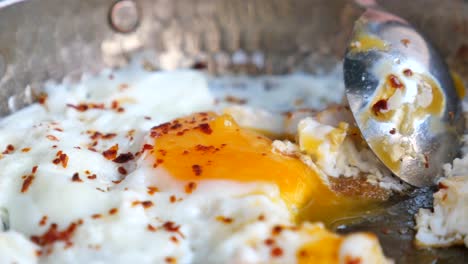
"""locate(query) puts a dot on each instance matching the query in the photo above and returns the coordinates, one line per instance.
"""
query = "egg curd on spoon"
(143, 167)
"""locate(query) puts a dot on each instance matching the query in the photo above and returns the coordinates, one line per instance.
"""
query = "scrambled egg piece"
(322, 142)
(447, 225)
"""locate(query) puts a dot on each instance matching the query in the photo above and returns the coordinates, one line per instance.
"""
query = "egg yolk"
(205, 147)
(209, 147)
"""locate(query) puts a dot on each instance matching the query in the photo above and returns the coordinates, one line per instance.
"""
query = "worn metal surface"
(364, 71)
(49, 39)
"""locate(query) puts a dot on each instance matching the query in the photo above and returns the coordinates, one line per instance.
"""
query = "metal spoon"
(402, 97)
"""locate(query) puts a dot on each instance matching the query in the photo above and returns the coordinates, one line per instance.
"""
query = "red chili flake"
(25, 149)
(205, 148)
(80, 221)
(234, 100)
(190, 187)
(352, 260)
(176, 125)
(147, 147)
(174, 239)
(147, 204)
(9, 149)
(92, 177)
(117, 182)
(54, 146)
(379, 106)
(42, 98)
(181, 133)
(441, 185)
(43, 221)
(395, 81)
(34, 169)
(426, 161)
(113, 211)
(185, 152)
(135, 203)
(226, 220)
(26, 183)
(171, 226)
(63, 159)
(269, 241)
(122, 170)
(114, 104)
(109, 136)
(76, 177)
(205, 128)
(277, 229)
(385, 230)
(172, 199)
(199, 65)
(408, 72)
(151, 228)
(96, 216)
(120, 110)
(405, 42)
(147, 117)
(52, 137)
(157, 163)
(79, 108)
(152, 190)
(303, 253)
(197, 169)
(56, 161)
(163, 152)
(111, 153)
(94, 135)
(58, 129)
(451, 115)
(53, 234)
(393, 131)
(261, 217)
(276, 252)
(124, 157)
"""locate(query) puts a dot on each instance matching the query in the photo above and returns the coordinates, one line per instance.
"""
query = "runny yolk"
(205, 147)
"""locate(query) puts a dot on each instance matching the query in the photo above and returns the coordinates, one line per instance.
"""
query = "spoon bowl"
(402, 97)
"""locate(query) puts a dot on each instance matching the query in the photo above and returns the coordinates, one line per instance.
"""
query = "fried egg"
(143, 167)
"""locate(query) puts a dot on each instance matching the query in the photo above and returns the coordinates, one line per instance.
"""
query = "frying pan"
(60, 39)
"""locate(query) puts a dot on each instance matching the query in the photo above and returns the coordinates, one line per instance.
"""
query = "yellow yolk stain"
(323, 248)
(459, 86)
(366, 42)
(205, 147)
